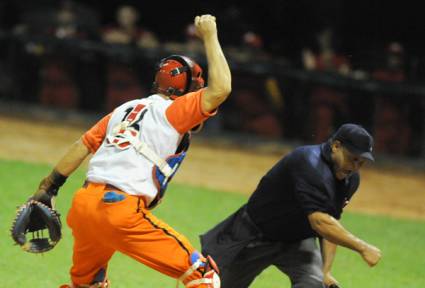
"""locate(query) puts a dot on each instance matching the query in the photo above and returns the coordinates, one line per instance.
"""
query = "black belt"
(107, 186)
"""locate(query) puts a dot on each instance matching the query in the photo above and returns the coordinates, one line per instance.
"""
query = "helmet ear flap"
(157, 67)
(187, 68)
(174, 76)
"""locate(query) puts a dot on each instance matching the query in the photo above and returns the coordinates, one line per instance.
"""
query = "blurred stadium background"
(300, 69)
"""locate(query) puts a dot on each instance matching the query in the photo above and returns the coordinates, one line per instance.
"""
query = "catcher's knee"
(100, 281)
(209, 279)
(208, 269)
(104, 284)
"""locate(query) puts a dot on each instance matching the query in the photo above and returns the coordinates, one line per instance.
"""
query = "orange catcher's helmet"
(177, 75)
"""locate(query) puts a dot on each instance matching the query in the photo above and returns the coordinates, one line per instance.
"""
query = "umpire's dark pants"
(241, 255)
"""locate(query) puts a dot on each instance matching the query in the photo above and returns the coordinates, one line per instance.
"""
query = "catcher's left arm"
(39, 213)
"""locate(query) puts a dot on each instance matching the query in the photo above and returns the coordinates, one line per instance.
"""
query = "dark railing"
(271, 99)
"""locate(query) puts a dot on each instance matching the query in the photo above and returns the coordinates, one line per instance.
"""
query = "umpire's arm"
(328, 250)
(330, 229)
(328, 254)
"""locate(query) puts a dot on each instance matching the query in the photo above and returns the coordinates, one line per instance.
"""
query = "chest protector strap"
(124, 136)
(174, 161)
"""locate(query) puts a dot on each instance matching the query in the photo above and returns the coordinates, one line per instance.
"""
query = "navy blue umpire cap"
(356, 139)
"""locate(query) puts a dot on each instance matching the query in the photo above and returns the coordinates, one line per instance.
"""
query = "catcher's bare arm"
(73, 158)
(70, 161)
(38, 213)
(219, 76)
(330, 229)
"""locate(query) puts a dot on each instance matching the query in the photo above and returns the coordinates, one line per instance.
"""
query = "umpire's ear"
(336, 145)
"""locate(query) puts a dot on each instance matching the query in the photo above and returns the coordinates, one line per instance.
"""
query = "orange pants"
(101, 228)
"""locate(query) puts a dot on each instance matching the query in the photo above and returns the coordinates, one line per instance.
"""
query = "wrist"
(326, 270)
(210, 37)
(57, 180)
(361, 246)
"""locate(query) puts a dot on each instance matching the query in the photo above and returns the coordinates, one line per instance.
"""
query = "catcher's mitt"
(34, 217)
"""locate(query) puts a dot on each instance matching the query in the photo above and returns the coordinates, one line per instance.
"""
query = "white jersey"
(157, 122)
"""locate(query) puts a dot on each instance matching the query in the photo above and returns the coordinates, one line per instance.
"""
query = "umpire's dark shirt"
(299, 184)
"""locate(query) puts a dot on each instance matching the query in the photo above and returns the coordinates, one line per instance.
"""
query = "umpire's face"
(345, 162)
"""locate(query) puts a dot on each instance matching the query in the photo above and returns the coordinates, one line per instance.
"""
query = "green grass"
(191, 211)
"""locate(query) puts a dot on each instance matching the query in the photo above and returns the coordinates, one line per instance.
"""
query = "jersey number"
(130, 124)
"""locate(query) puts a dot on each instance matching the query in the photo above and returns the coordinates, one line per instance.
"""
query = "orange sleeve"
(186, 112)
(93, 138)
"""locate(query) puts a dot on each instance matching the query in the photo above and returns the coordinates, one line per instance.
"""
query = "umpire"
(300, 199)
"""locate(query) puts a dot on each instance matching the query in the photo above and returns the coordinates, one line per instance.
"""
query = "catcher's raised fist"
(205, 26)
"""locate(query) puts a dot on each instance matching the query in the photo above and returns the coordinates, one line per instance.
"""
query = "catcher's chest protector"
(136, 155)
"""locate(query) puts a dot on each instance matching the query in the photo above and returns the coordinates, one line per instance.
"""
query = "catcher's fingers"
(204, 18)
(44, 197)
(205, 25)
(41, 195)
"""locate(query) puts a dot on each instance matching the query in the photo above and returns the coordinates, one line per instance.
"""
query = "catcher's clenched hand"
(34, 217)
(205, 26)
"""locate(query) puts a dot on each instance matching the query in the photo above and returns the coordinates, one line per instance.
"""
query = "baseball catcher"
(38, 215)
(136, 150)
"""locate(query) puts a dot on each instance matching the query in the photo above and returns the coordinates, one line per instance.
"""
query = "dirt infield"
(398, 193)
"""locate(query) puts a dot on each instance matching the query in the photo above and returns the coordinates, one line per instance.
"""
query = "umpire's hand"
(330, 281)
(371, 254)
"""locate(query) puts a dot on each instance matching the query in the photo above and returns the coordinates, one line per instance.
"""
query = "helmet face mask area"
(177, 75)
